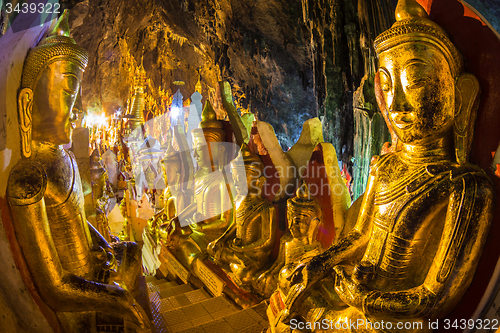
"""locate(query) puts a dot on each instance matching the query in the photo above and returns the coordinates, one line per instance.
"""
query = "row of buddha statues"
(410, 245)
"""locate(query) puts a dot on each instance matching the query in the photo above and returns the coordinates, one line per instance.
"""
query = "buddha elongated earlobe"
(465, 116)
(25, 104)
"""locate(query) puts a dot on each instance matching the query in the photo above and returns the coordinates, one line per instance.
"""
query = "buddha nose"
(399, 101)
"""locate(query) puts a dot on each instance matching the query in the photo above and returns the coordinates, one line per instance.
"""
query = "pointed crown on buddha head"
(413, 25)
(304, 203)
(251, 161)
(58, 45)
(211, 128)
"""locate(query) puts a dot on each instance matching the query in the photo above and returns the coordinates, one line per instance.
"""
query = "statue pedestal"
(209, 278)
(173, 265)
(241, 297)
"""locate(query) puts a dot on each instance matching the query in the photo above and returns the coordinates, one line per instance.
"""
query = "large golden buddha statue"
(73, 268)
(426, 211)
(208, 216)
(210, 188)
(246, 246)
(299, 243)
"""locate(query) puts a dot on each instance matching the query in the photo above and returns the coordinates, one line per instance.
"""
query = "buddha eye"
(70, 93)
(417, 84)
(385, 80)
(386, 87)
(416, 74)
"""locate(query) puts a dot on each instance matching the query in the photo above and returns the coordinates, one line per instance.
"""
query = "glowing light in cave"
(98, 120)
(174, 112)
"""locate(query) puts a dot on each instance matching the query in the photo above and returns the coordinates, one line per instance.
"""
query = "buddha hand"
(305, 275)
(215, 249)
(138, 319)
(349, 291)
(266, 284)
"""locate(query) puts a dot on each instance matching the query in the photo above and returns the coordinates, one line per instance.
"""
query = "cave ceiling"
(260, 47)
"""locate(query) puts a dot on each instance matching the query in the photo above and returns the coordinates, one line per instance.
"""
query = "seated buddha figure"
(101, 193)
(75, 271)
(246, 246)
(299, 243)
(208, 215)
(426, 211)
(172, 196)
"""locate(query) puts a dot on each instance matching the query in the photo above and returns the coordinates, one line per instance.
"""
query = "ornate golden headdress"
(211, 128)
(304, 203)
(252, 162)
(413, 24)
(56, 46)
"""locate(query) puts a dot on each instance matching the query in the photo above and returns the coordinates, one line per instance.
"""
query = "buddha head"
(303, 214)
(426, 92)
(150, 175)
(171, 167)
(248, 177)
(50, 84)
(206, 150)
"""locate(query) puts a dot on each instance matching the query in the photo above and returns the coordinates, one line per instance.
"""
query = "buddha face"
(53, 99)
(247, 180)
(202, 154)
(298, 223)
(419, 92)
(171, 172)
(240, 179)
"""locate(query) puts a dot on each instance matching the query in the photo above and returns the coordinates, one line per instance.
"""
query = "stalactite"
(342, 36)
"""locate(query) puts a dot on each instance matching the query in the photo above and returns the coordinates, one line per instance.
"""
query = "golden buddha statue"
(304, 216)
(426, 211)
(101, 193)
(73, 268)
(208, 216)
(172, 196)
(246, 246)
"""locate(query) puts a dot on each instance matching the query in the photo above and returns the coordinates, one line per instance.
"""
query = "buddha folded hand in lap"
(247, 244)
(75, 271)
(426, 211)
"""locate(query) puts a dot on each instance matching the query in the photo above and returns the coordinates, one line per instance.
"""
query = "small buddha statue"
(172, 196)
(246, 246)
(101, 192)
(298, 244)
(75, 271)
(426, 211)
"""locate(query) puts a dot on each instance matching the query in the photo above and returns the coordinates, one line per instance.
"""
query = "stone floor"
(180, 308)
